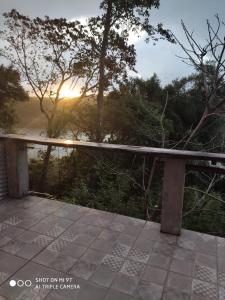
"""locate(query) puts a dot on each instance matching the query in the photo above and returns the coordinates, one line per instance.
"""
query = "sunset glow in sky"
(67, 92)
(160, 59)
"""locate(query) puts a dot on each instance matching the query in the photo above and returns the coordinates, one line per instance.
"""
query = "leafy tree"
(122, 17)
(49, 53)
(10, 92)
(132, 119)
(185, 108)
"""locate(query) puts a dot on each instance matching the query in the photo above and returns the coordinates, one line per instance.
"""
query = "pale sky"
(160, 59)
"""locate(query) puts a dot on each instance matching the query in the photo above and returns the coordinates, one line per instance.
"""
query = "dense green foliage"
(141, 113)
(10, 91)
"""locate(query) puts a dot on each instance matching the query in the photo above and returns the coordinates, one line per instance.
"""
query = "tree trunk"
(44, 172)
(102, 83)
(50, 134)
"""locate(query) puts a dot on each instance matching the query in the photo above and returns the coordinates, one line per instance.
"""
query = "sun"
(69, 93)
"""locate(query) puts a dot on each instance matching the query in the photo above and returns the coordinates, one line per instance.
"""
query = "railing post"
(17, 169)
(3, 175)
(172, 197)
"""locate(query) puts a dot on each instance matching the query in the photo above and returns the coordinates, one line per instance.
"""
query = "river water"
(33, 150)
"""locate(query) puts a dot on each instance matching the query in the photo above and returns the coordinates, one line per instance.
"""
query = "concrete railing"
(175, 164)
(3, 175)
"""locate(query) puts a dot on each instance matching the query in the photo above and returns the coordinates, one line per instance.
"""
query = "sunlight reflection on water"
(34, 150)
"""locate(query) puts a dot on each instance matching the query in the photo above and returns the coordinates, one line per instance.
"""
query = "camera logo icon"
(20, 283)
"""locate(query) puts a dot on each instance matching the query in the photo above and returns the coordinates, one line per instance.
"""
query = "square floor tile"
(164, 249)
(184, 254)
(205, 274)
(148, 291)
(179, 282)
(28, 251)
(93, 256)
(93, 292)
(126, 239)
(154, 275)
(55, 260)
(139, 255)
(74, 250)
(103, 245)
(82, 269)
(52, 226)
(182, 267)
(42, 240)
(125, 284)
(133, 268)
(160, 261)
(114, 263)
(58, 245)
(84, 239)
(9, 264)
(120, 250)
(109, 235)
(68, 236)
(206, 260)
(13, 246)
(204, 289)
(103, 276)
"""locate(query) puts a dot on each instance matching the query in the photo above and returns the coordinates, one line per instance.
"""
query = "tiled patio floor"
(100, 255)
